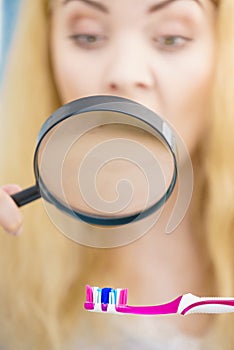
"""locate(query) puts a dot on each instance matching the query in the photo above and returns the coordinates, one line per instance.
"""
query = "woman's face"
(157, 52)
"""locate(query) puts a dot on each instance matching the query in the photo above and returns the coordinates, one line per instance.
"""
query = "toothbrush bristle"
(89, 294)
(123, 298)
(105, 299)
(105, 295)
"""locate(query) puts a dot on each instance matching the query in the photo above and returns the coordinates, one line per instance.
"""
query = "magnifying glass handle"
(26, 196)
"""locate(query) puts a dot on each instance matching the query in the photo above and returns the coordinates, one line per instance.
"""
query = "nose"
(129, 70)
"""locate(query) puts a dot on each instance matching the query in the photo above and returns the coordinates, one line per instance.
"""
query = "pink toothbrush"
(115, 301)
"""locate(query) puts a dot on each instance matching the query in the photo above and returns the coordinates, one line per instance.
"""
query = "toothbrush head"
(105, 299)
(109, 300)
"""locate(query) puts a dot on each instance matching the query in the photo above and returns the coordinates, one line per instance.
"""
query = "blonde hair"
(219, 217)
(41, 270)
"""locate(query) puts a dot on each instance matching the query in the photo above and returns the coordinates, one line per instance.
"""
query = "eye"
(171, 42)
(88, 41)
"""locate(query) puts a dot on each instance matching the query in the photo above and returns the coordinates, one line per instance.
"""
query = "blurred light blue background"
(9, 12)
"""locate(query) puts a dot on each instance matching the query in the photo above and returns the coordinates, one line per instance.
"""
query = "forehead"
(108, 3)
(128, 8)
(134, 10)
(136, 3)
(131, 9)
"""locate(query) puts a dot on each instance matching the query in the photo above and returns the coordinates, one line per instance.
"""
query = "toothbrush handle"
(163, 309)
(193, 304)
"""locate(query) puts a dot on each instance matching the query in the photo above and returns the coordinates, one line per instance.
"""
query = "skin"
(160, 56)
(170, 73)
(10, 216)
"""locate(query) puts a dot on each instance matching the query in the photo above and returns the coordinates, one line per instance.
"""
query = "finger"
(10, 215)
(11, 188)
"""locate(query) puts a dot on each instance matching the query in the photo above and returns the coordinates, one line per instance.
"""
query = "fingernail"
(18, 232)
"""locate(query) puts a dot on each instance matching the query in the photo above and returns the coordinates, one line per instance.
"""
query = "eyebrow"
(97, 5)
(165, 3)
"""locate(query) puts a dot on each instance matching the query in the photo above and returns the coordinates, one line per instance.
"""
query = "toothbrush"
(115, 301)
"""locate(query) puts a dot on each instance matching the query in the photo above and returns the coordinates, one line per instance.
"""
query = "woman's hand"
(10, 216)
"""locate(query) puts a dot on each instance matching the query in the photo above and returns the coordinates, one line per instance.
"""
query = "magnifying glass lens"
(104, 164)
(104, 161)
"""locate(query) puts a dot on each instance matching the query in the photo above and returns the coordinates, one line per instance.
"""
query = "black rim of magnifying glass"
(113, 104)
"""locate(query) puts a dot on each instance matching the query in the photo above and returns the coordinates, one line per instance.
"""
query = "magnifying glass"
(103, 160)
